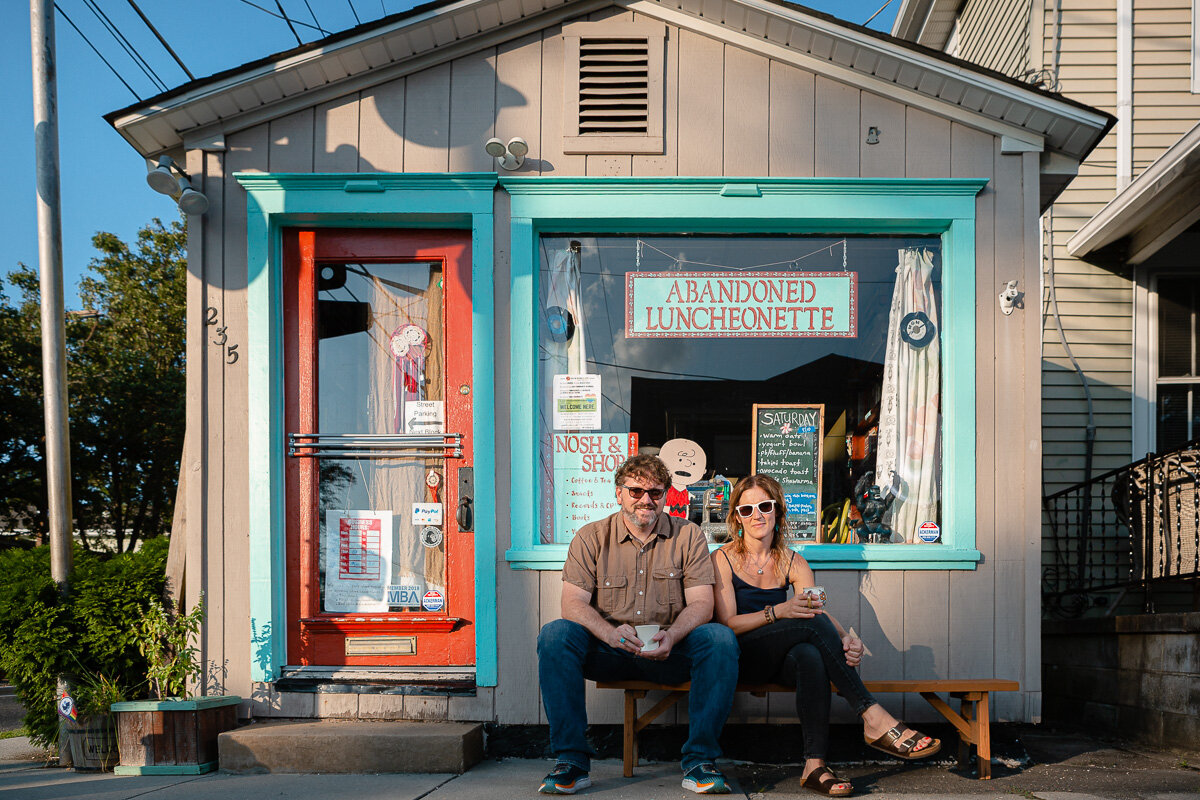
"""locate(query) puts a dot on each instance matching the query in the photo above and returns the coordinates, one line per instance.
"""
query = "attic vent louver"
(613, 88)
(613, 82)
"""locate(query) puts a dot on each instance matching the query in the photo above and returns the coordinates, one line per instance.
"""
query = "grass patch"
(13, 734)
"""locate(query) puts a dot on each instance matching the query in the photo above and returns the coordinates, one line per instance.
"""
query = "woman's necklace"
(760, 565)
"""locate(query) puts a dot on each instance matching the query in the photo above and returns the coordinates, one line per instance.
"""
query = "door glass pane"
(1176, 408)
(381, 357)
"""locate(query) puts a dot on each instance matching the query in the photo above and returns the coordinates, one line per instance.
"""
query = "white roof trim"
(815, 43)
(926, 22)
(1158, 205)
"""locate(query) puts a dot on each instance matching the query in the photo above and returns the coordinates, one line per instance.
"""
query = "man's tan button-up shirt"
(637, 583)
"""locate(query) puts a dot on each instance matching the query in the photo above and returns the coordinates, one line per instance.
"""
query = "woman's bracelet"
(769, 614)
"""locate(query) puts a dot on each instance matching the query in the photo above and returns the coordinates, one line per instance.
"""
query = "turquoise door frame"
(756, 205)
(460, 201)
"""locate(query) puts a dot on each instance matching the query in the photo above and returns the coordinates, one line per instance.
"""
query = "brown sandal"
(893, 744)
(822, 780)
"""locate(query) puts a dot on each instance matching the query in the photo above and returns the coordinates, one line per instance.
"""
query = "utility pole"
(54, 349)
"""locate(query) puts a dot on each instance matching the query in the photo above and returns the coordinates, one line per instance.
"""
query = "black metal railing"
(1130, 529)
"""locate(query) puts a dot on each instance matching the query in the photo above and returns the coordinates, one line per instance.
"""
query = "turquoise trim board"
(756, 205)
(355, 200)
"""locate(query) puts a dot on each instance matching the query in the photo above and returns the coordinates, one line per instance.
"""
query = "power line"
(161, 40)
(129, 49)
(283, 13)
(314, 16)
(276, 16)
(97, 52)
(350, 3)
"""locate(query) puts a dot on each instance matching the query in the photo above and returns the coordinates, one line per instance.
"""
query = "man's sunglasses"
(636, 492)
(764, 508)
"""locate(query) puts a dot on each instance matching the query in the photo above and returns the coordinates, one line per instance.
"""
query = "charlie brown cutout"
(686, 462)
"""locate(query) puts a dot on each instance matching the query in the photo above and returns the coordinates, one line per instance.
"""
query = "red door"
(380, 554)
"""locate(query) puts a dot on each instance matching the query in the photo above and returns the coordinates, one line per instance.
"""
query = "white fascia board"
(1164, 181)
(908, 58)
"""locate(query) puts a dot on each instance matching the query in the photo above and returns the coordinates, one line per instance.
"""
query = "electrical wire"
(276, 16)
(162, 41)
(350, 3)
(125, 44)
(70, 22)
(283, 14)
(314, 16)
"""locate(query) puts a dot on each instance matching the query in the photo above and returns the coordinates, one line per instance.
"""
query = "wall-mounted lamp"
(872, 135)
(168, 178)
(512, 156)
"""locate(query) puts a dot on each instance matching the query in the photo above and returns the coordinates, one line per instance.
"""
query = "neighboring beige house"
(1122, 235)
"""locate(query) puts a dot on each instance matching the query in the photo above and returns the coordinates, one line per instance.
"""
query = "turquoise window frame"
(457, 201)
(945, 208)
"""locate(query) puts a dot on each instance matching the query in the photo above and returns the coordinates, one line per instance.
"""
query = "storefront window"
(817, 359)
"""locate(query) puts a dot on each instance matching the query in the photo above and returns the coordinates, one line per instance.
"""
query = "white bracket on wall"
(1011, 298)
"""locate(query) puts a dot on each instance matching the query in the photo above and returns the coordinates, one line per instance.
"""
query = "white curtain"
(569, 357)
(909, 426)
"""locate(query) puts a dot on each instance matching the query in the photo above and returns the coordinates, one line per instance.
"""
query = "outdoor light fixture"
(168, 178)
(512, 156)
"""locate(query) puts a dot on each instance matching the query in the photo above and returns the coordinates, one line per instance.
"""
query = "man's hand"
(624, 637)
(666, 640)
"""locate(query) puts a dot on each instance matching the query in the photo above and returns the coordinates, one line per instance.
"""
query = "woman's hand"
(798, 606)
(854, 649)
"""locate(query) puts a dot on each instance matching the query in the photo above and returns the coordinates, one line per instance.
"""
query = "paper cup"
(816, 594)
(646, 633)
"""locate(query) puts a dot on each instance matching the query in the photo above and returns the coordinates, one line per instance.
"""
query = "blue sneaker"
(705, 779)
(565, 779)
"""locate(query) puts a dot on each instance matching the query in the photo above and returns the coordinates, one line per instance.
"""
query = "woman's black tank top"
(751, 598)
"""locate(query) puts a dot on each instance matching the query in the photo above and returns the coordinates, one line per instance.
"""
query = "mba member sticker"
(433, 601)
(929, 532)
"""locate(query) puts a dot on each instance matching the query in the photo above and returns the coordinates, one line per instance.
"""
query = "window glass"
(1178, 410)
(654, 341)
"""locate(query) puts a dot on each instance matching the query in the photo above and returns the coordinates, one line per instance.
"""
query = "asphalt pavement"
(1043, 765)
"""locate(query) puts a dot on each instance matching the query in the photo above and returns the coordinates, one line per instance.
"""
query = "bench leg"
(983, 738)
(630, 737)
(967, 711)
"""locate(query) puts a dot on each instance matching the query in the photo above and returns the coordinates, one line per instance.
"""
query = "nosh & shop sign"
(711, 304)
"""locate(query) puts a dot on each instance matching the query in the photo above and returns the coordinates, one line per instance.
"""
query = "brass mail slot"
(381, 645)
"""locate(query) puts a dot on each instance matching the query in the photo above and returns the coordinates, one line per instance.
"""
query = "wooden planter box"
(172, 737)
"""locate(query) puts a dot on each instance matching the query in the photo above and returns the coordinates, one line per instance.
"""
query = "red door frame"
(314, 637)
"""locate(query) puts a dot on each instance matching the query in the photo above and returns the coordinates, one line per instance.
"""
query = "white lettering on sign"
(716, 304)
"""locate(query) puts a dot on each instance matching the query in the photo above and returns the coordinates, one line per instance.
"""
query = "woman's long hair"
(779, 547)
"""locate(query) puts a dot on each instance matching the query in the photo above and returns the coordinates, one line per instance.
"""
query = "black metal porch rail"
(1128, 529)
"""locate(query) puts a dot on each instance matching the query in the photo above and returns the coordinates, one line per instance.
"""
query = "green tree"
(125, 381)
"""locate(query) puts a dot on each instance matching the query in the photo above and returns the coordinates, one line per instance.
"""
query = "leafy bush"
(91, 633)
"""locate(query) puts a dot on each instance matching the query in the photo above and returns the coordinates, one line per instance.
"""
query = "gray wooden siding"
(788, 122)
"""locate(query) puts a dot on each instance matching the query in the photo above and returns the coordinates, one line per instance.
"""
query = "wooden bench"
(971, 720)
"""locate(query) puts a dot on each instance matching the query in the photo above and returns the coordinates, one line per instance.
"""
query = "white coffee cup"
(646, 633)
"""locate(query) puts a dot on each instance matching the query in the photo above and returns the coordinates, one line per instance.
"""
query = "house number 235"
(222, 336)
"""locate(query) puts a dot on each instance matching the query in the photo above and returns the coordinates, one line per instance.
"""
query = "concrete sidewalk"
(1057, 767)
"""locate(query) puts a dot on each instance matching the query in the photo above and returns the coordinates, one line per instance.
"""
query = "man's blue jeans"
(568, 653)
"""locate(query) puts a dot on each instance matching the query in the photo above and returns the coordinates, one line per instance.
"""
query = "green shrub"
(89, 636)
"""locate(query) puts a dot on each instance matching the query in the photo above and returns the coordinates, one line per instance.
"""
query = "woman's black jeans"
(807, 654)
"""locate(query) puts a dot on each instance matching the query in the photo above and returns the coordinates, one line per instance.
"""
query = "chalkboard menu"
(787, 446)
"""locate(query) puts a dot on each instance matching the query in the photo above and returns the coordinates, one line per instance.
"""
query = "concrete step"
(350, 746)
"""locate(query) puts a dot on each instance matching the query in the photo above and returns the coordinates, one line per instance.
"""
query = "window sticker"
(577, 402)
(584, 464)
(426, 513)
(358, 560)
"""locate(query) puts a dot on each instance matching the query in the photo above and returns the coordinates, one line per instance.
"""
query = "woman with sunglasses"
(794, 641)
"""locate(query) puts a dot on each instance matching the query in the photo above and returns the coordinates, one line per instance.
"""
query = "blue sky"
(103, 178)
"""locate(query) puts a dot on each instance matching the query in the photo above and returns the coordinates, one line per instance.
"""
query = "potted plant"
(175, 733)
(92, 735)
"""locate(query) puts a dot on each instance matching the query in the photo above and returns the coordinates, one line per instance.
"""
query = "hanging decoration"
(409, 345)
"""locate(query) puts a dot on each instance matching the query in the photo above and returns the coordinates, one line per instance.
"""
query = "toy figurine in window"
(686, 462)
(872, 505)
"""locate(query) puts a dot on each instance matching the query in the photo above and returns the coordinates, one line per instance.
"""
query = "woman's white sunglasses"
(764, 508)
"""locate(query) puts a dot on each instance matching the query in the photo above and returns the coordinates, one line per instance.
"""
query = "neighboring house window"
(1178, 382)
